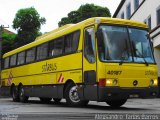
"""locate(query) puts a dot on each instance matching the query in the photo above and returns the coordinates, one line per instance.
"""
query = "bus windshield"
(127, 44)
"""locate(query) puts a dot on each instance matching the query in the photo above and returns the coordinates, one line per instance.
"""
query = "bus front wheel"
(116, 103)
(72, 98)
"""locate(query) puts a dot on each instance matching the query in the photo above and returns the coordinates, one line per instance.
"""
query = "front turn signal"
(102, 82)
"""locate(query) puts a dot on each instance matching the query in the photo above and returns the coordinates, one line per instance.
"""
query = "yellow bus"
(99, 59)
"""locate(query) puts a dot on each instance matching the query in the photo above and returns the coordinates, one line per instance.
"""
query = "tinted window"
(56, 47)
(117, 44)
(30, 55)
(13, 60)
(89, 45)
(141, 46)
(21, 58)
(68, 43)
(75, 41)
(42, 51)
(71, 42)
(114, 45)
(6, 62)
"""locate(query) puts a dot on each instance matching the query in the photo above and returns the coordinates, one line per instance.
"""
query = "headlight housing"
(154, 82)
(108, 82)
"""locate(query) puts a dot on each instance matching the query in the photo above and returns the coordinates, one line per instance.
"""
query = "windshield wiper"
(123, 56)
(141, 55)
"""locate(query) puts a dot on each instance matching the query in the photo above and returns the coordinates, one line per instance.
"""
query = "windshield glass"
(141, 46)
(117, 44)
(114, 44)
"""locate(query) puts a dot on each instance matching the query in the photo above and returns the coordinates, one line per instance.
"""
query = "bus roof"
(72, 27)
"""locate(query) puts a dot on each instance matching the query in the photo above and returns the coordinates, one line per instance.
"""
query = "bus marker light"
(115, 82)
(151, 82)
(102, 82)
(97, 21)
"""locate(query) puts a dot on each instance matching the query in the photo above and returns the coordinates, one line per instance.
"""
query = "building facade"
(7, 31)
(147, 11)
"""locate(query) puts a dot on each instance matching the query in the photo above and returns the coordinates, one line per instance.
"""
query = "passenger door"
(89, 64)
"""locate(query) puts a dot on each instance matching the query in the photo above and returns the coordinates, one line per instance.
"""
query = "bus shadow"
(89, 106)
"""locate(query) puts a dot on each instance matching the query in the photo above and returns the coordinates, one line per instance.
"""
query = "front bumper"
(110, 93)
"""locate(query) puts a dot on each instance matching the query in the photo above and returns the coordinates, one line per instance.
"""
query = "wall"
(146, 9)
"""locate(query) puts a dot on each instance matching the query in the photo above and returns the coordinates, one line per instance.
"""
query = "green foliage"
(8, 41)
(28, 19)
(28, 23)
(8, 38)
(84, 12)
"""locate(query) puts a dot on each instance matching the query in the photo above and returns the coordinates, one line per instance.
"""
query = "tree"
(84, 12)
(8, 41)
(28, 23)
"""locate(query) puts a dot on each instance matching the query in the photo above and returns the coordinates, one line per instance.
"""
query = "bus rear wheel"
(23, 98)
(116, 103)
(15, 95)
(72, 98)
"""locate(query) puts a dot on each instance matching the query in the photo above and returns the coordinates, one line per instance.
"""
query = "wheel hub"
(73, 94)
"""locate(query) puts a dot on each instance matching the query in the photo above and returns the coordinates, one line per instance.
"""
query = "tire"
(57, 100)
(116, 103)
(72, 98)
(45, 100)
(15, 95)
(22, 97)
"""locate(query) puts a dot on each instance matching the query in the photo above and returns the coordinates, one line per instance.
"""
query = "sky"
(52, 10)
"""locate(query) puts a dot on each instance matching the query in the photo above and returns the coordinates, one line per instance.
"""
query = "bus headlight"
(111, 82)
(154, 82)
(108, 82)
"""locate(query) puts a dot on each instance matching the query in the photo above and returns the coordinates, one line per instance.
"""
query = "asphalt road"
(35, 110)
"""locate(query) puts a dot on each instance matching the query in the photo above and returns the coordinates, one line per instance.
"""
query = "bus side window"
(13, 60)
(30, 55)
(89, 45)
(71, 42)
(68, 43)
(42, 51)
(75, 42)
(6, 62)
(56, 47)
(21, 58)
